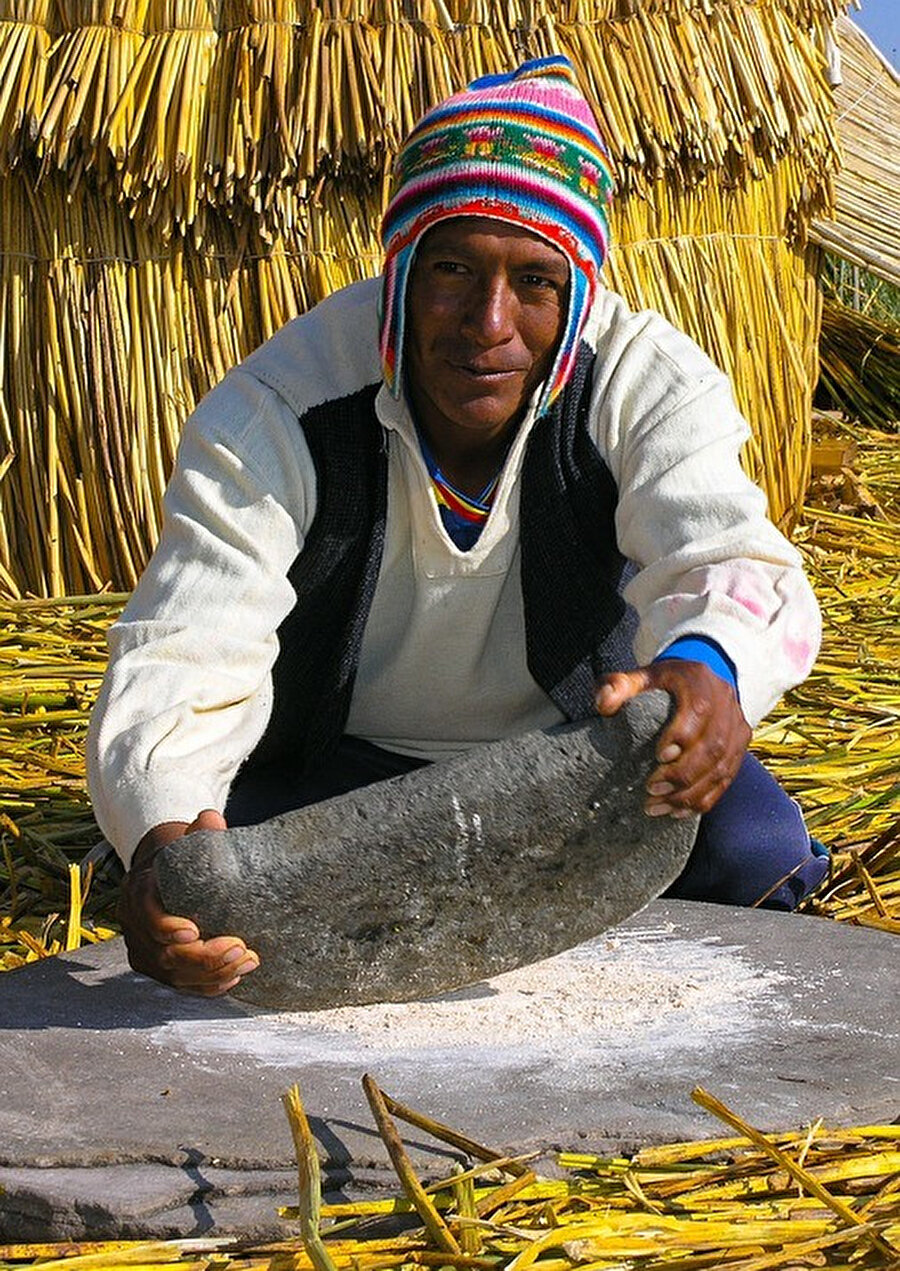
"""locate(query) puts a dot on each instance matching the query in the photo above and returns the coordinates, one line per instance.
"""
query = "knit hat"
(522, 148)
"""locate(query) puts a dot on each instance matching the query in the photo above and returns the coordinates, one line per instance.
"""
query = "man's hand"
(169, 948)
(701, 748)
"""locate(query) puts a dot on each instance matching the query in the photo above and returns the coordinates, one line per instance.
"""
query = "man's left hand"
(701, 748)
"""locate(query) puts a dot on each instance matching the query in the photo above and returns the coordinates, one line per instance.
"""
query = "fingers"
(694, 782)
(171, 929)
(166, 951)
(207, 967)
(161, 926)
(197, 969)
(700, 749)
(169, 947)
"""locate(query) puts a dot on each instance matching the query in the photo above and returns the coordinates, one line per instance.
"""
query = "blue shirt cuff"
(702, 649)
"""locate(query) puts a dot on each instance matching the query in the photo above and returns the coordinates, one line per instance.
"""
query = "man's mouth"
(486, 373)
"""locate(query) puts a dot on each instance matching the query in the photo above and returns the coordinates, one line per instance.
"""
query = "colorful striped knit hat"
(522, 148)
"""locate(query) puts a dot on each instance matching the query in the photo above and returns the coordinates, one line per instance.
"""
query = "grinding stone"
(444, 876)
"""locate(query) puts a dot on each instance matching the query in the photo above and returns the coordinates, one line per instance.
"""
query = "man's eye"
(448, 266)
(537, 280)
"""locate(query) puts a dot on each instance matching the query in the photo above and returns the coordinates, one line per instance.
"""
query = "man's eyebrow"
(546, 265)
(439, 248)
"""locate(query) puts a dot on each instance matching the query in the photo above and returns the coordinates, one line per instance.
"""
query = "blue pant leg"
(752, 844)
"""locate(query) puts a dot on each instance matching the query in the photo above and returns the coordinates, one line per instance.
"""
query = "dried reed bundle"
(749, 299)
(179, 178)
(177, 104)
(24, 48)
(860, 365)
(865, 227)
(108, 350)
(172, 104)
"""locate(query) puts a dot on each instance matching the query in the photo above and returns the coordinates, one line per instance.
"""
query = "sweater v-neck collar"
(394, 415)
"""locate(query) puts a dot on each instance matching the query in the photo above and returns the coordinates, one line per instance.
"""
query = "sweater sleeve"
(711, 562)
(187, 694)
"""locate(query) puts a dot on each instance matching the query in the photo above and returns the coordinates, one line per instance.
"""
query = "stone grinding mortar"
(447, 875)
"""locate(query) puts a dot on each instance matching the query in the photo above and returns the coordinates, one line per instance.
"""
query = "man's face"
(485, 311)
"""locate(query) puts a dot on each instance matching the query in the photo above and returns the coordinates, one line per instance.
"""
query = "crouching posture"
(473, 497)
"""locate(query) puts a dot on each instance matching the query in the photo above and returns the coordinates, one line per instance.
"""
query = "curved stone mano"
(449, 874)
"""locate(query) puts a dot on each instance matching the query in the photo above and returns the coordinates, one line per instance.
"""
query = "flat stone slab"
(127, 1109)
(442, 877)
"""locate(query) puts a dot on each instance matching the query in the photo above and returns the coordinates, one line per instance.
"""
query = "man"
(405, 526)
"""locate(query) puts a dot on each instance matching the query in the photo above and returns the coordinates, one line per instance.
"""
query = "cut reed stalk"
(435, 1226)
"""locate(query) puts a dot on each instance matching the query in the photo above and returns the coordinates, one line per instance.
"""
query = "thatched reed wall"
(865, 229)
(179, 177)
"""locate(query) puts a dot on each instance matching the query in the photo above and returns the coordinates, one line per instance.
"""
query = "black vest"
(576, 623)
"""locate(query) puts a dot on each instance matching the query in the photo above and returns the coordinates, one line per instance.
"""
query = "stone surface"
(438, 878)
(143, 1201)
(128, 1109)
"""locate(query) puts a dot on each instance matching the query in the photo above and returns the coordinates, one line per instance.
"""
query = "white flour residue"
(643, 991)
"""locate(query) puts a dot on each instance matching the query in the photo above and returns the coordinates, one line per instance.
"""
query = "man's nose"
(490, 314)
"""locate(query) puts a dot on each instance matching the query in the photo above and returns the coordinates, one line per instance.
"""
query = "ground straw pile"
(834, 742)
(823, 1197)
(179, 177)
(52, 657)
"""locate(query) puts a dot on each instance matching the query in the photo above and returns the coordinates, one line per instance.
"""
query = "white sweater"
(188, 691)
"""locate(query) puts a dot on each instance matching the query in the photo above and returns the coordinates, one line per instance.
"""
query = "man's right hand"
(169, 948)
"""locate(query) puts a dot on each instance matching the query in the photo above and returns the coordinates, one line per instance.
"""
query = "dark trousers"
(752, 848)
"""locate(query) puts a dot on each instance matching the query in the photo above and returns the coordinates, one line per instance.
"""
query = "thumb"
(618, 687)
(208, 819)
